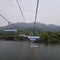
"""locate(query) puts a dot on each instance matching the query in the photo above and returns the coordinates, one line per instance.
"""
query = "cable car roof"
(10, 30)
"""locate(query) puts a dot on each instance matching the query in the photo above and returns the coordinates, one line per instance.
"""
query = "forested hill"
(29, 26)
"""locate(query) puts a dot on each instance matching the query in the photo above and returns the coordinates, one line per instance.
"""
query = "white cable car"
(10, 30)
(33, 38)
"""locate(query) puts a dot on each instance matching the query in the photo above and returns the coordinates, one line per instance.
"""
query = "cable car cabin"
(33, 38)
(10, 34)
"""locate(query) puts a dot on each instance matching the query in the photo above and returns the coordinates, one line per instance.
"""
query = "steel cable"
(36, 17)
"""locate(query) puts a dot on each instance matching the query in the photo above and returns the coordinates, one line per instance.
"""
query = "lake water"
(16, 50)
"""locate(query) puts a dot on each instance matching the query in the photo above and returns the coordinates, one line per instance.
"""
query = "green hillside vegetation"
(48, 37)
(48, 33)
(30, 26)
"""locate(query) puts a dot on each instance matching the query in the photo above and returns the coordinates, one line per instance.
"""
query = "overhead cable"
(20, 10)
(36, 17)
(7, 20)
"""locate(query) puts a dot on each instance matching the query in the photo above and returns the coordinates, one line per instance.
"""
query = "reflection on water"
(10, 50)
(34, 45)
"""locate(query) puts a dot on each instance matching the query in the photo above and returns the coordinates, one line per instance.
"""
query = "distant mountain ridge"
(27, 26)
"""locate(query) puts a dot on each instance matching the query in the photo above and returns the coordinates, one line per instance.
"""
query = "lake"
(17, 50)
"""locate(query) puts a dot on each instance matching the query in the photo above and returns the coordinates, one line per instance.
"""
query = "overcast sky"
(48, 11)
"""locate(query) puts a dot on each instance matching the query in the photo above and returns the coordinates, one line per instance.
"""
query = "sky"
(48, 11)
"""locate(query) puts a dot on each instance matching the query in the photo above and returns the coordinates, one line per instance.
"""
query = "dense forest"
(48, 37)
